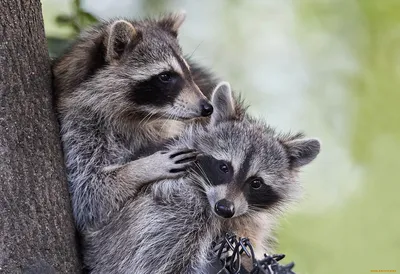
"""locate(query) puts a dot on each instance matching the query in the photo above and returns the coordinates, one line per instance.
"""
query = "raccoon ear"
(121, 34)
(172, 22)
(302, 151)
(222, 101)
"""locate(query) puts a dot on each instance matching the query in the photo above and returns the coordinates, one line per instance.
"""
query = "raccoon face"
(249, 168)
(156, 80)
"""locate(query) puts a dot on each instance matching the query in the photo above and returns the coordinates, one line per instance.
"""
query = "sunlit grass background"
(329, 68)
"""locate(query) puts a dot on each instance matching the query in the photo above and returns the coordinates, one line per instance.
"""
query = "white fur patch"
(175, 65)
(156, 68)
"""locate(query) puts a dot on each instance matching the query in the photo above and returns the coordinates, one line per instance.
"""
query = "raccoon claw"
(182, 160)
(177, 170)
(186, 158)
(181, 152)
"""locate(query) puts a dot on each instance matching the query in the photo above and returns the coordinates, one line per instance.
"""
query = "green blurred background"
(330, 68)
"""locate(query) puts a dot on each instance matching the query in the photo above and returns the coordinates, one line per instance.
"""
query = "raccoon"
(122, 85)
(243, 180)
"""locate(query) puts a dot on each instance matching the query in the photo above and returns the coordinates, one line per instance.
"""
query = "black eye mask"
(217, 171)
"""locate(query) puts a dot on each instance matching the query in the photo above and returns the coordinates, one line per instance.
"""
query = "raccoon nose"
(225, 208)
(206, 108)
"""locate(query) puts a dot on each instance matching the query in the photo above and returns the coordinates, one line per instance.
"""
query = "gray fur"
(101, 129)
(170, 225)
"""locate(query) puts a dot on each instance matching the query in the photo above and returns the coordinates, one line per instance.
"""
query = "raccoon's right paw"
(177, 162)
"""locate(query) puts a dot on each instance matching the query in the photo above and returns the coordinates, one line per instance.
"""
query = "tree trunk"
(37, 233)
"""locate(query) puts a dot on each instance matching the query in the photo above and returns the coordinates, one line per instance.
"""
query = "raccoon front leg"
(158, 166)
(97, 193)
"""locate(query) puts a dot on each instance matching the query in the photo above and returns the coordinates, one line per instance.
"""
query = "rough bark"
(37, 233)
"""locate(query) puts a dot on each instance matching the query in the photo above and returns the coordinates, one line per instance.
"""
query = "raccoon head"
(146, 56)
(136, 70)
(247, 166)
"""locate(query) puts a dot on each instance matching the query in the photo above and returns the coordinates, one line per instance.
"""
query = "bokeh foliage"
(75, 21)
(363, 234)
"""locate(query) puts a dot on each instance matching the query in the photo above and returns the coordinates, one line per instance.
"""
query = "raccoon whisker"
(196, 178)
(162, 116)
(141, 121)
(169, 117)
(166, 117)
(152, 113)
(193, 171)
(197, 175)
(190, 56)
(204, 174)
(200, 184)
(145, 117)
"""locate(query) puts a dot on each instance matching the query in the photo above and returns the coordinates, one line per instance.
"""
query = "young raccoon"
(242, 182)
(122, 85)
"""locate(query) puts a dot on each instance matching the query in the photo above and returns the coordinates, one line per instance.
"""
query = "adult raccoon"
(121, 86)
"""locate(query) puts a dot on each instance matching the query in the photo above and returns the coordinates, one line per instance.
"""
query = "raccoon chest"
(164, 129)
(256, 230)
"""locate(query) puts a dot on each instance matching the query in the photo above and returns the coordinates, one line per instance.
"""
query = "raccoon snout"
(225, 208)
(206, 108)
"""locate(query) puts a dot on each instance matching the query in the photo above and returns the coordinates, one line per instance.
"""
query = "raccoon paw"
(179, 161)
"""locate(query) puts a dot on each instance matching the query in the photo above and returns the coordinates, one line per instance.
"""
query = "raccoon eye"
(224, 168)
(256, 183)
(165, 77)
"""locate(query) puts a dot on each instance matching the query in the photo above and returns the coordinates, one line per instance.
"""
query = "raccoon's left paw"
(180, 160)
